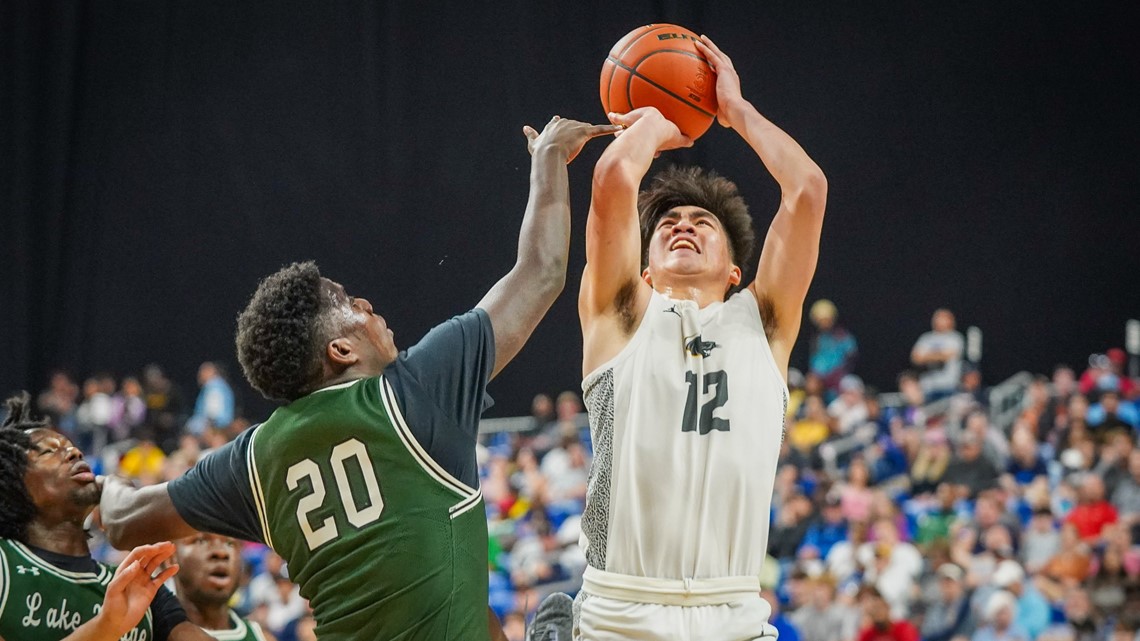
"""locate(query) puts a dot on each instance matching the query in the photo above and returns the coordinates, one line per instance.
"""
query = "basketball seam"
(633, 72)
(649, 28)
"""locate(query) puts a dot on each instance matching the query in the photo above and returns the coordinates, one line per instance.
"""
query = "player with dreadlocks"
(50, 587)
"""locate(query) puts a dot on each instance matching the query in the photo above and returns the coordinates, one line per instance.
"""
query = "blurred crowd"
(917, 514)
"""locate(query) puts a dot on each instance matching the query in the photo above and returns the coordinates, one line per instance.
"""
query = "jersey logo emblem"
(698, 347)
(674, 310)
(20, 569)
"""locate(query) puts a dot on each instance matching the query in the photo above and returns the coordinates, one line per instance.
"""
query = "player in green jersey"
(366, 481)
(50, 587)
(210, 572)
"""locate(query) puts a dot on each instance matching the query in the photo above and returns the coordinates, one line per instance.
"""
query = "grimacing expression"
(375, 342)
(690, 241)
(57, 476)
(210, 568)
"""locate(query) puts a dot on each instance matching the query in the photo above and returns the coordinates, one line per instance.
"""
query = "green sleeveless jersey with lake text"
(41, 602)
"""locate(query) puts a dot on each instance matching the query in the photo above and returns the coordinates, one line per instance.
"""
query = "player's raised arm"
(613, 233)
(521, 298)
(791, 248)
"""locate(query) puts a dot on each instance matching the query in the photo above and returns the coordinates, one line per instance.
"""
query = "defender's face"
(210, 568)
(690, 241)
(375, 342)
(57, 476)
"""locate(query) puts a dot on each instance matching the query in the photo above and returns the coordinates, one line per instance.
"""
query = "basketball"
(659, 66)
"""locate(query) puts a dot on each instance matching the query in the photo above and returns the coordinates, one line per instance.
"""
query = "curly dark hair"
(16, 507)
(693, 186)
(282, 332)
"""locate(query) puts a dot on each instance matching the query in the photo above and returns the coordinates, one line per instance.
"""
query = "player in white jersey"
(686, 390)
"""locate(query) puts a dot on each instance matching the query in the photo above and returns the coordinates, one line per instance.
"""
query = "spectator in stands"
(969, 468)
(934, 525)
(1000, 614)
(938, 353)
(821, 618)
(566, 470)
(1110, 587)
(949, 616)
(1025, 462)
(164, 407)
(1040, 541)
(1109, 415)
(1032, 612)
(790, 526)
(1126, 498)
(93, 416)
(59, 402)
(891, 565)
(914, 398)
(143, 463)
(785, 629)
(995, 447)
(929, 467)
(541, 414)
(1102, 366)
(1064, 385)
(1093, 512)
(1112, 466)
(880, 624)
(1080, 616)
(128, 410)
(806, 434)
(215, 404)
(855, 494)
(829, 528)
(1072, 562)
(849, 409)
(833, 349)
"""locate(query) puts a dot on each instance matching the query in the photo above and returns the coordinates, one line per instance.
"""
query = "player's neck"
(62, 537)
(683, 289)
(208, 616)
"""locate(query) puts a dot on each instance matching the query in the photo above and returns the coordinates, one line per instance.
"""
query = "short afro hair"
(16, 507)
(282, 332)
(693, 186)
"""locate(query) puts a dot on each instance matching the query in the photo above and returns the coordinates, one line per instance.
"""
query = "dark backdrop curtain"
(159, 157)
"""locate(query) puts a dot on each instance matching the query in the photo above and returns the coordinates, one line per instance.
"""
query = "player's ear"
(341, 351)
(646, 277)
(734, 275)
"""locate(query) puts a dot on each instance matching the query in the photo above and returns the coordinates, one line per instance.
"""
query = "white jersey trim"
(101, 577)
(5, 581)
(255, 486)
(470, 495)
(655, 300)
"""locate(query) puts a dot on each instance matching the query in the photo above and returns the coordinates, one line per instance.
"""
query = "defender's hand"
(132, 589)
(670, 137)
(727, 81)
(569, 136)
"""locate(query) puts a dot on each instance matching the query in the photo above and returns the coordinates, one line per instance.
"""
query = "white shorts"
(612, 607)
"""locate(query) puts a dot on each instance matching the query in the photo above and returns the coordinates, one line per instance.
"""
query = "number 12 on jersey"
(707, 422)
(356, 515)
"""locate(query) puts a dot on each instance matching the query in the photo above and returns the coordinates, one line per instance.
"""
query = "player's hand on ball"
(727, 81)
(671, 136)
(566, 135)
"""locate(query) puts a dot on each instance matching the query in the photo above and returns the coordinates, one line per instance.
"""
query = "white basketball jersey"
(687, 421)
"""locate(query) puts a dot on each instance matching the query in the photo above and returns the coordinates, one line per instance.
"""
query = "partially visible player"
(50, 587)
(366, 483)
(211, 573)
(685, 383)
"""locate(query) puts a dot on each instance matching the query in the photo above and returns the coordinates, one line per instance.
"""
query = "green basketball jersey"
(240, 630)
(383, 542)
(43, 602)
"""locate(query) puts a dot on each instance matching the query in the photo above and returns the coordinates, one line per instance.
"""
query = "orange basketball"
(658, 65)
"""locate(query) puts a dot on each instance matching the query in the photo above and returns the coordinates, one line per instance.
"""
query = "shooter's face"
(690, 242)
(373, 344)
